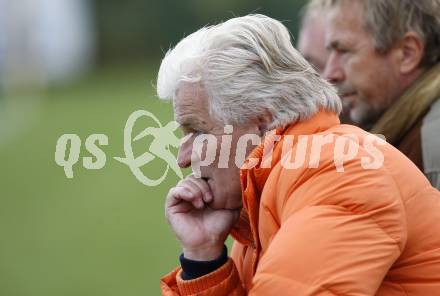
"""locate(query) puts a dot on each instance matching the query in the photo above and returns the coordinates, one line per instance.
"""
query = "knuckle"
(170, 193)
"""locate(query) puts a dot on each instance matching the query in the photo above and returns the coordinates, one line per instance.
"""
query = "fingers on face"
(179, 200)
(190, 191)
(203, 187)
(177, 194)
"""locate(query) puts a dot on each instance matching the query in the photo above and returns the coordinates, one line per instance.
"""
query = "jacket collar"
(254, 179)
(410, 107)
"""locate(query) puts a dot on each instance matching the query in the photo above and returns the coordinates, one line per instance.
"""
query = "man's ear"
(411, 50)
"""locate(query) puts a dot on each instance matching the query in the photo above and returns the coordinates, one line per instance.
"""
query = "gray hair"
(311, 10)
(389, 20)
(248, 66)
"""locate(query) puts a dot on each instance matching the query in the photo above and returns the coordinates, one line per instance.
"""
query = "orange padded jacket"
(314, 230)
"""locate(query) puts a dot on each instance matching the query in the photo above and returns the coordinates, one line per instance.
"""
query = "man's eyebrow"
(187, 126)
(189, 122)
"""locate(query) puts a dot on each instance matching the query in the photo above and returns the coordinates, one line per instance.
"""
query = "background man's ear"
(412, 49)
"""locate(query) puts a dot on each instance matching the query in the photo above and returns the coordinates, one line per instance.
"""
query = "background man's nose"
(333, 71)
(184, 155)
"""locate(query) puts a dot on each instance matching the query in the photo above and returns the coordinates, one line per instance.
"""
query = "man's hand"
(201, 230)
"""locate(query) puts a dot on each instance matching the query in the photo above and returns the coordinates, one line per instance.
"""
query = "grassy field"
(100, 233)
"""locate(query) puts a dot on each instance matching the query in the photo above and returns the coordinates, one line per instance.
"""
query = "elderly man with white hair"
(342, 218)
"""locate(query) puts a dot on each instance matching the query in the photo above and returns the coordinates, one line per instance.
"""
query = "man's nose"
(333, 71)
(184, 154)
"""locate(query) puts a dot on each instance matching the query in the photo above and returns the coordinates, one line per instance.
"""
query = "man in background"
(384, 59)
(311, 42)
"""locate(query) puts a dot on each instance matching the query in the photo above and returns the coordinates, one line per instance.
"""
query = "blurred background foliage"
(82, 67)
(139, 28)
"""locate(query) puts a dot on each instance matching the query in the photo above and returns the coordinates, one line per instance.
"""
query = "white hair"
(248, 66)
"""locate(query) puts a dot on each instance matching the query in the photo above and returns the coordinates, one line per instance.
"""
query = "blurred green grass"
(100, 233)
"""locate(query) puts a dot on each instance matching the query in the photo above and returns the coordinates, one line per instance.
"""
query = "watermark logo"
(68, 149)
(73, 142)
(218, 151)
(163, 139)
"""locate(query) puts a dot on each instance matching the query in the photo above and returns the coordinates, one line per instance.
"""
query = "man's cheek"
(203, 154)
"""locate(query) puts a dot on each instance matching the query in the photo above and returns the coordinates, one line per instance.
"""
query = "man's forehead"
(345, 22)
(187, 89)
(189, 102)
(347, 14)
(312, 35)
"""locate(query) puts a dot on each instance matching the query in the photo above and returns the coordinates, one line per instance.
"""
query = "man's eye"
(342, 50)
(187, 131)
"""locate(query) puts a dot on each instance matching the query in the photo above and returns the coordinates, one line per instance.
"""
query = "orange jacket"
(316, 231)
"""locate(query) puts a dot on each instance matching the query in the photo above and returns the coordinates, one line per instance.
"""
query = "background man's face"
(311, 42)
(365, 78)
(192, 112)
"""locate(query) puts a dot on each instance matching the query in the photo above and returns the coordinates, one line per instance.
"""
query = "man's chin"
(362, 119)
